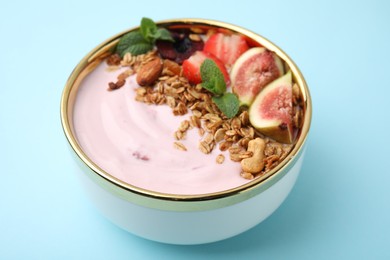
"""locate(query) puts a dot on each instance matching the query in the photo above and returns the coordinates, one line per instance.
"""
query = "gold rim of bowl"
(175, 202)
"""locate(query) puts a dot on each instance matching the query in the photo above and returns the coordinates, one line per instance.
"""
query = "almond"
(149, 72)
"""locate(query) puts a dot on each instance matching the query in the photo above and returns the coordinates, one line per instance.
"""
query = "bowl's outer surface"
(185, 219)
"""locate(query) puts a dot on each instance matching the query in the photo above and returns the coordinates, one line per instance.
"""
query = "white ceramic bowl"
(185, 219)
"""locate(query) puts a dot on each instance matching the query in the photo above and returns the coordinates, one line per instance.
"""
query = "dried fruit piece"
(181, 49)
(252, 71)
(271, 111)
(113, 86)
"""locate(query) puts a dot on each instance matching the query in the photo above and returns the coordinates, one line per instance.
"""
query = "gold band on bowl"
(174, 202)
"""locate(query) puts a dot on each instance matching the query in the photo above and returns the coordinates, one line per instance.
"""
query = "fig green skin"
(252, 71)
(270, 113)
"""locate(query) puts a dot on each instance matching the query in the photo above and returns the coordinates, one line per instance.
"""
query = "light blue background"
(339, 208)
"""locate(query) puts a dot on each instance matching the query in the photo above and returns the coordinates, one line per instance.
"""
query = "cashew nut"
(255, 163)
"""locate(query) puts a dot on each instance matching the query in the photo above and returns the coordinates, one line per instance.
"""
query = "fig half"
(252, 71)
(271, 111)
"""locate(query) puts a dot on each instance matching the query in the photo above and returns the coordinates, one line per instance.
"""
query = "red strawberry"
(227, 48)
(191, 67)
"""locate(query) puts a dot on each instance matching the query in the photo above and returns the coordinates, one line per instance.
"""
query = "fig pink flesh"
(277, 104)
(255, 73)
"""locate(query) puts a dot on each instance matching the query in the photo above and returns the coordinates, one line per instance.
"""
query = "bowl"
(184, 218)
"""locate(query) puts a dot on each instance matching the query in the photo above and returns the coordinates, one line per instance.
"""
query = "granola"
(163, 83)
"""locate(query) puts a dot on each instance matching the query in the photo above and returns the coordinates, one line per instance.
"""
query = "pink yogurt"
(133, 141)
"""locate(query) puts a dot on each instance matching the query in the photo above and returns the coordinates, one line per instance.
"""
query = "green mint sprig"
(142, 40)
(214, 81)
(228, 103)
(212, 77)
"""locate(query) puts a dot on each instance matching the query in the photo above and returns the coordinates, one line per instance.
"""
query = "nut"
(255, 163)
(149, 72)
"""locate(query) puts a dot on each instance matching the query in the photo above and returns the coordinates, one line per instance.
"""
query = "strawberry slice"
(191, 67)
(227, 48)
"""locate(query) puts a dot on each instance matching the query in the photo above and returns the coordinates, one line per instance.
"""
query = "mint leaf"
(148, 29)
(228, 104)
(212, 77)
(139, 48)
(214, 81)
(151, 33)
(134, 43)
(142, 41)
(164, 35)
